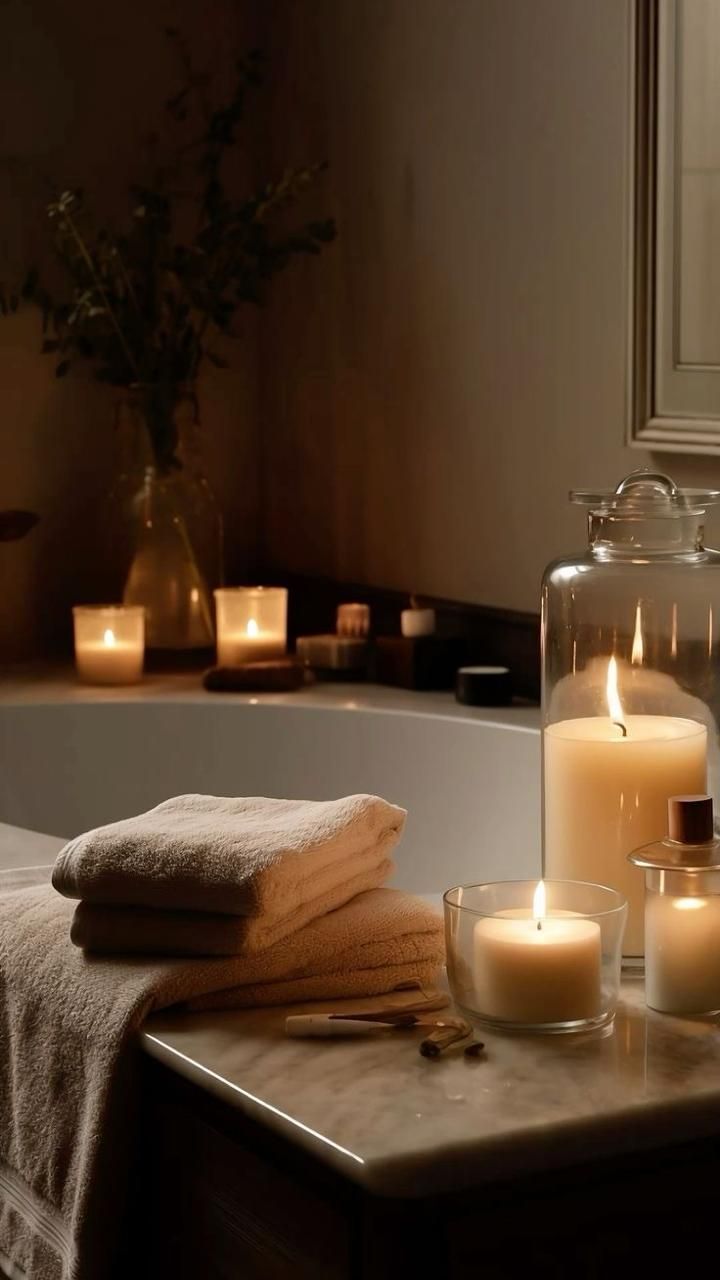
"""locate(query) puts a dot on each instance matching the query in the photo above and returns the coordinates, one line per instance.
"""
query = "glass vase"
(171, 542)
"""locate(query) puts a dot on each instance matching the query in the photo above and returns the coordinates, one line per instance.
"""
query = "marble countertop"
(403, 1125)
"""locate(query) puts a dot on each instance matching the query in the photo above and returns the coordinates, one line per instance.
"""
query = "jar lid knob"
(648, 481)
(690, 819)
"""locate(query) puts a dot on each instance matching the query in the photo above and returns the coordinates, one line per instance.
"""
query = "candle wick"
(539, 925)
(619, 725)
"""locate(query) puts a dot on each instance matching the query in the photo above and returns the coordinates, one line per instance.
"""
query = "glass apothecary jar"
(630, 688)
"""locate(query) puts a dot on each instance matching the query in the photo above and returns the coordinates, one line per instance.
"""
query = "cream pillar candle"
(534, 968)
(682, 953)
(109, 643)
(607, 780)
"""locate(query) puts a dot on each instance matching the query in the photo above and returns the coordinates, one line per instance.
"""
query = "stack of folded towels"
(289, 891)
(203, 903)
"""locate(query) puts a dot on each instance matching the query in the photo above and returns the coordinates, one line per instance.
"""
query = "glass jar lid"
(690, 846)
(646, 494)
(668, 855)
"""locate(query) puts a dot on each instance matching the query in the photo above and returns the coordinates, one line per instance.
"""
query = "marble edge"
(461, 1166)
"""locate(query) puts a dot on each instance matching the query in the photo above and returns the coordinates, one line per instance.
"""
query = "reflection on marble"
(403, 1125)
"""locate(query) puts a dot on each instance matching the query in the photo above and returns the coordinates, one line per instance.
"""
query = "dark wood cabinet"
(219, 1197)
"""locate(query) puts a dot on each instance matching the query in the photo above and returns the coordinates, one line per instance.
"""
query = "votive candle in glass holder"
(544, 956)
(109, 643)
(251, 624)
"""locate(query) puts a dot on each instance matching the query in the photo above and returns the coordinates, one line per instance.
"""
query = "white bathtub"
(73, 757)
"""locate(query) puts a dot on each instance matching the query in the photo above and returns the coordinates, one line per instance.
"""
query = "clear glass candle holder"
(251, 624)
(523, 956)
(109, 643)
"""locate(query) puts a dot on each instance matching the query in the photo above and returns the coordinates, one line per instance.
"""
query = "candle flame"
(673, 638)
(252, 628)
(109, 638)
(638, 651)
(617, 714)
(539, 902)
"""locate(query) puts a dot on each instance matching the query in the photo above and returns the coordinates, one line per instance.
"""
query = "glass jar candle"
(682, 911)
(523, 956)
(251, 624)
(109, 643)
(630, 691)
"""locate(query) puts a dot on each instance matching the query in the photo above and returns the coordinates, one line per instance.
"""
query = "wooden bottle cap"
(690, 819)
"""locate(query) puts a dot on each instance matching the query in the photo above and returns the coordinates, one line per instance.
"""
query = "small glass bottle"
(682, 910)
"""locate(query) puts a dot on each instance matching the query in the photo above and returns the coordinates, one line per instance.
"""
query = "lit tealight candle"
(109, 643)
(251, 624)
(533, 968)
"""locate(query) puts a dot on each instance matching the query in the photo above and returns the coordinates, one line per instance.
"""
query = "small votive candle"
(535, 957)
(109, 643)
(251, 624)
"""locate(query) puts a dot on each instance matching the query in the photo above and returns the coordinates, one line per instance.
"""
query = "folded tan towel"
(280, 863)
(68, 1025)
(147, 931)
(379, 942)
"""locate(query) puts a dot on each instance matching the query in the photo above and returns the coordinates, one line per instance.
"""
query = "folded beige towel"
(379, 942)
(68, 1036)
(280, 863)
(149, 932)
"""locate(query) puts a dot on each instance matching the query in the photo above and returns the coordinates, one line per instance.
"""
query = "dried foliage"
(146, 305)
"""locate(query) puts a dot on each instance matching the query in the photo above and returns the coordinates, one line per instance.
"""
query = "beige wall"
(435, 386)
(436, 382)
(80, 84)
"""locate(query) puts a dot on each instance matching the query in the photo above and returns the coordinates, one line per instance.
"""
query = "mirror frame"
(648, 427)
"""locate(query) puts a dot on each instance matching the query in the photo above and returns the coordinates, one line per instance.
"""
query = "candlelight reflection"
(638, 651)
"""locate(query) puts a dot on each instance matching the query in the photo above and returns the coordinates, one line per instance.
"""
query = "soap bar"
(333, 653)
(418, 662)
(283, 676)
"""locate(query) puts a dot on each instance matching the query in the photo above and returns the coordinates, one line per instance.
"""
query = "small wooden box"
(418, 662)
